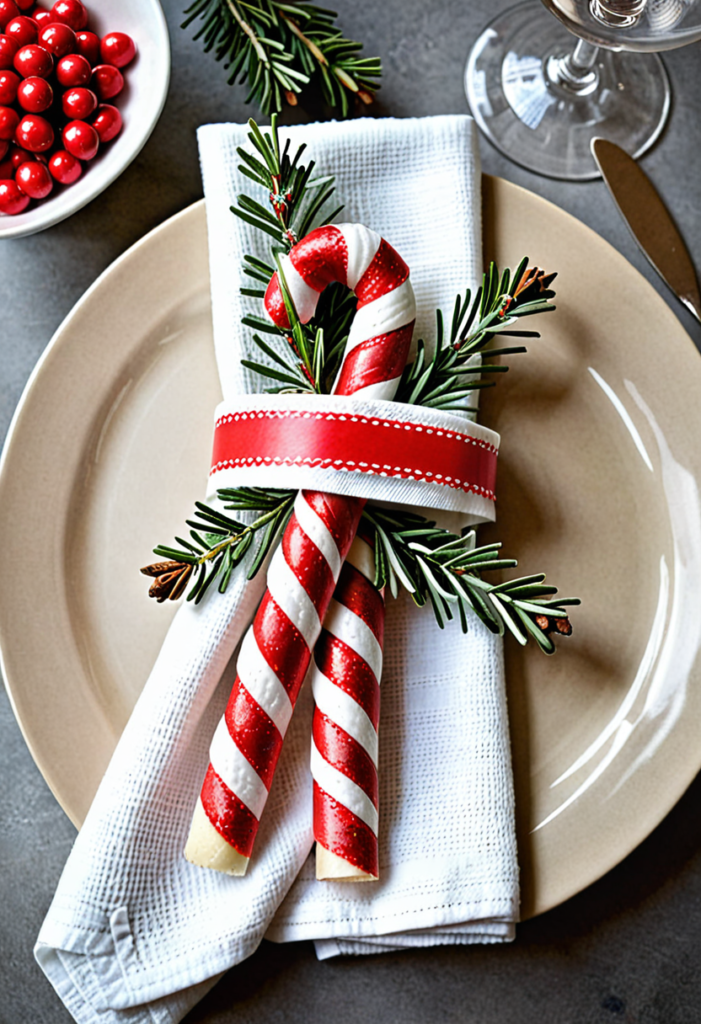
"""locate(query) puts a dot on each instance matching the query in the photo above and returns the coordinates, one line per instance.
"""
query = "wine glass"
(540, 98)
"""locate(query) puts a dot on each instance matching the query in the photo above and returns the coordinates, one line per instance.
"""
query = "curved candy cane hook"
(380, 335)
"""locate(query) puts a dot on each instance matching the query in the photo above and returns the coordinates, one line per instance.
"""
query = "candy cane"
(276, 650)
(346, 688)
(380, 335)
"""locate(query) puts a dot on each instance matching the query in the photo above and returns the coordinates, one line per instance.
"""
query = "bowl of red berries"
(82, 86)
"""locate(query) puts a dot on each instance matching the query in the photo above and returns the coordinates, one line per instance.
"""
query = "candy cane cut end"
(207, 849)
(332, 868)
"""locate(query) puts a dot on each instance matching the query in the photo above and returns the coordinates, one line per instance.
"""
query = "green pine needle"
(446, 570)
(279, 49)
(218, 543)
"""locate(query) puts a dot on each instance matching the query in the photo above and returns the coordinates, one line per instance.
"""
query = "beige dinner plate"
(597, 487)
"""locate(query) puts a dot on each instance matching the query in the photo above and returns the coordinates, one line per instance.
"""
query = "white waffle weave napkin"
(136, 934)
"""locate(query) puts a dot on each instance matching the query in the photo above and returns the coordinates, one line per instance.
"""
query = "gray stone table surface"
(627, 948)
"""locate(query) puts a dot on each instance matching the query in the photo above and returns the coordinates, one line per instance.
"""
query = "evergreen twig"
(280, 47)
(218, 543)
(446, 570)
(445, 379)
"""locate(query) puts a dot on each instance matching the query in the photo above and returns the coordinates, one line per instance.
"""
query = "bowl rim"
(47, 217)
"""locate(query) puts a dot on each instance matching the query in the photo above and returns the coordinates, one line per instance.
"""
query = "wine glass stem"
(575, 71)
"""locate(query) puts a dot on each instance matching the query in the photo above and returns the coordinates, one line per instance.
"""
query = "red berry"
(107, 122)
(17, 156)
(9, 119)
(34, 44)
(79, 103)
(8, 87)
(34, 179)
(8, 49)
(117, 48)
(88, 45)
(12, 198)
(81, 140)
(35, 95)
(73, 70)
(42, 17)
(70, 12)
(35, 133)
(58, 39)
(23, 30)
(8, 11)
(33, 60)
(64, 167)
(107, 81)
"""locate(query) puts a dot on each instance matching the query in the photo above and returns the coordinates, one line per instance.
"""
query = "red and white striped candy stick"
(276, 650)
(346, 688)
(271, 667)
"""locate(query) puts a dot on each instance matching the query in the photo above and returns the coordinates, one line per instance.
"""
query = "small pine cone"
(171, 579)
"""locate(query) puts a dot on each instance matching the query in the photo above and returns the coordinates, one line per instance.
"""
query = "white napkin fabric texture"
(137, 934)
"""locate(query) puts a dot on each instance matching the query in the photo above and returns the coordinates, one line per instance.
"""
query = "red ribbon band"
(358, 444)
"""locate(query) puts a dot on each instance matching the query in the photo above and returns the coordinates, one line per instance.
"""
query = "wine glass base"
(542, 123)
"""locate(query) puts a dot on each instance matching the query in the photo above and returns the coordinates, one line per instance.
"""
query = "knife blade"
(649, 220)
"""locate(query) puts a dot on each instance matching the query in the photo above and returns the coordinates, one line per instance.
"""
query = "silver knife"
(649, 220)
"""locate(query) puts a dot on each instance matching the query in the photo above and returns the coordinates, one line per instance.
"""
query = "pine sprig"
(279, 48)
(435, 566)
(445, 570)
(307, 356)
(218, 543)
(446, 379)
(296, 200)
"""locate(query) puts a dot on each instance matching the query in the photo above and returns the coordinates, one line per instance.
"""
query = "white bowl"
(140, 103)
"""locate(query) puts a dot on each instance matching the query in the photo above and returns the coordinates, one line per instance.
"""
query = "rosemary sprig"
(435, 566)
(218, 543)
(446, 379)
(296, 200)
(446, 570)
(281, 47)
(308, 355)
